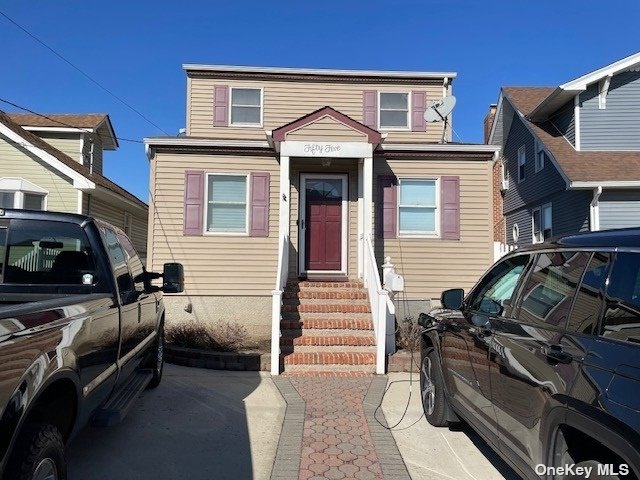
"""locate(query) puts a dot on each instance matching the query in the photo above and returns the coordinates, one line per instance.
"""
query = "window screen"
(246, 106)
(622, 313)
(394, 110)
(549, 290)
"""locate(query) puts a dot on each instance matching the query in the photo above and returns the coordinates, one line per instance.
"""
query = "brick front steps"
(327, 329)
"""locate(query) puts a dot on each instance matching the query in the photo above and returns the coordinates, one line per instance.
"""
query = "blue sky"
(136, 49)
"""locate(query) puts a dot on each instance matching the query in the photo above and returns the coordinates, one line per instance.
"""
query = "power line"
(86, 75)
(65, 124)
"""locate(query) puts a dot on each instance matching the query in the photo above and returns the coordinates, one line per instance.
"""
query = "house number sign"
(321, 148)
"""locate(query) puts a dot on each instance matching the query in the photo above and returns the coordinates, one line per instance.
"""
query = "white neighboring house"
(55, 164)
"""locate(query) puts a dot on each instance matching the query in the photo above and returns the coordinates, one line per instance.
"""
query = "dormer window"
(394, 111)
(246, 107)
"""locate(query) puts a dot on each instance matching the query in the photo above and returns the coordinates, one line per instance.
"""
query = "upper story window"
(418, 207)
(227, 199)
(539, 156)
(542, 220)
(394, 111)
(21, 193)
(522, 160)
(246, 107)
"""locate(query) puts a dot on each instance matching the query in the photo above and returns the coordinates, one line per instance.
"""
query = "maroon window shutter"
(450, 208)
(418, 100)
(220, 106)
(370, 108)
(259, 213)
(387, 206)
(193, 202)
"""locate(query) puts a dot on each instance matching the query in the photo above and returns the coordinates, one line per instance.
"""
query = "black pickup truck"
(81, 334)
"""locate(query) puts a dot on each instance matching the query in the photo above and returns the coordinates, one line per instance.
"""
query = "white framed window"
(246, 107)
(418, 213)
(505, 174)
(515, 232)
(227, 209)
(393, 110)
(539, 156)
(541, 222)
(17, 192)
(522, 160)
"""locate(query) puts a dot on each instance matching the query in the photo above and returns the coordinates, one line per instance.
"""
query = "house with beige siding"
(293, 191)
(54, 162)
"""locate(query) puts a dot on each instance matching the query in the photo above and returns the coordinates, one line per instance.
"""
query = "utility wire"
(83, 73)
(62, 123)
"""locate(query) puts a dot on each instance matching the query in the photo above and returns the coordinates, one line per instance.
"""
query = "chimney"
(488, 121)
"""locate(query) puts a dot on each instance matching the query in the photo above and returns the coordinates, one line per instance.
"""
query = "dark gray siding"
(564, 121)
(616, 127)
(570, 214)
(535, 185)
(619, 209)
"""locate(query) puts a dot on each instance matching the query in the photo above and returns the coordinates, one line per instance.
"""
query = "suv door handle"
(555, 353)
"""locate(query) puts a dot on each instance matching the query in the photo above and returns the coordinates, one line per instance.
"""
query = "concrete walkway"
(204, 424)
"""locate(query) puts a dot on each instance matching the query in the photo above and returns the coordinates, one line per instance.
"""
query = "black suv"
(542, 357)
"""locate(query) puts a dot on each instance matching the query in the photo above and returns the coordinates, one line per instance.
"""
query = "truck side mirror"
(452, 299)
(173, 278)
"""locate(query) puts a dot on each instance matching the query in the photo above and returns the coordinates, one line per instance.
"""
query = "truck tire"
(434, 401)
(156, 360)
(38, 455)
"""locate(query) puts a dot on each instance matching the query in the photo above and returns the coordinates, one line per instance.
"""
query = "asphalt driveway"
(205, 424)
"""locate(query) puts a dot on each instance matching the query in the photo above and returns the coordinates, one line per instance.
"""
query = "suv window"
(47, 253)
(587, 306)
(622, 314)
(495, 291)
(549, 289)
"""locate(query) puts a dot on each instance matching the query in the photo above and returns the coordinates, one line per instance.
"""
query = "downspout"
(91, 155)
(594, 210)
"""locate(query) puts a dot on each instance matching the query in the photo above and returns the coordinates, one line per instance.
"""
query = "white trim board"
(79, 181)
(302, 220)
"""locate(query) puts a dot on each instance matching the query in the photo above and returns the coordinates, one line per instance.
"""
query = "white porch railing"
(382, 308)
(276, 302)
(501, 249)
(37, 259)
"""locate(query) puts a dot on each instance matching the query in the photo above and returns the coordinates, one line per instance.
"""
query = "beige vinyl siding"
(114, 214)
(285, 101)
(68, 143)
(18, 162)
(213, 264)
(431, 265)
(326, 129)
(313, 165)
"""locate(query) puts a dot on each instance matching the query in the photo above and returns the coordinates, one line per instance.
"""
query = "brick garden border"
(389, 457)
(239, 361)
(286, 465)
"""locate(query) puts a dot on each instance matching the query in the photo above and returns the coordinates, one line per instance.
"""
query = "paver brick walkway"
(340, 438)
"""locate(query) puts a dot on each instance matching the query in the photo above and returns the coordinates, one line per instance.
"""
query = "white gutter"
(190, 67)
(594, 210)
(440, 147)
(203, 142)
(606, 184)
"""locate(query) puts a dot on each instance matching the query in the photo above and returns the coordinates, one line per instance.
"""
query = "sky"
(137, 48)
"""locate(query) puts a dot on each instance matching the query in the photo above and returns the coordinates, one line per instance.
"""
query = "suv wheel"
(39, 455)
(156, 360)
(432, 390)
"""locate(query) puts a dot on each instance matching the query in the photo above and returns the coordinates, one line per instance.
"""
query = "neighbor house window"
(539, 156)
(542, 220)
(16, 192)
(522, 160)
(418, 207)
(246, 106)
(227, 203)
(394, 110)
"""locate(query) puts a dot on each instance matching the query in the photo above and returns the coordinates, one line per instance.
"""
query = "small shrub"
(221, 337)
(408, 334)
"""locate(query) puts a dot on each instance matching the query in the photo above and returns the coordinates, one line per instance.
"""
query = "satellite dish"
(438, 110)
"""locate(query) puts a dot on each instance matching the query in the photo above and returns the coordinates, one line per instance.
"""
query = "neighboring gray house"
(571, 154)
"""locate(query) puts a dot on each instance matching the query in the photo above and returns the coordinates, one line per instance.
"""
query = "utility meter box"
(396, 282)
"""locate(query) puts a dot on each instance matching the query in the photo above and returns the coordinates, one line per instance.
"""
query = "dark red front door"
(323, 232)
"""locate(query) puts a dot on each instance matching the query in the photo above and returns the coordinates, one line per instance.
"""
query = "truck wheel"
(156, 361)
(434, 402)
(38, 455)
